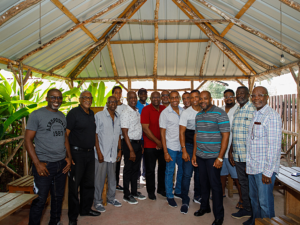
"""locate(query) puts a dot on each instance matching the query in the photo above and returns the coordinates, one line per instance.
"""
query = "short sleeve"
(183, 119)
(223, 122)
(145, 116)
(33, 122)
(71, 120)
(125, 119)
(98, 122)
(163, 120)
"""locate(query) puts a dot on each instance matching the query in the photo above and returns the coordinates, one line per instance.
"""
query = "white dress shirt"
(131, 120)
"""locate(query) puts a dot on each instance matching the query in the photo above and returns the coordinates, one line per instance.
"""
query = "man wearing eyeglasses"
(237, 154)
(107, 153)
(50, 156)
(81, 129)
(263, 155)
(165, 98)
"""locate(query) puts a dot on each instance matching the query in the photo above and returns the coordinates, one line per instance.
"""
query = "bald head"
(259, 97)
(52, 90)
(205, 100)
(132, 99)
(155, 98)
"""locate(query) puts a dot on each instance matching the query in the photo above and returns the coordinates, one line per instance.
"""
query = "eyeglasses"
(155, 98)
(259, 96)
(53, 98)
(176, 98)
(87, 98)
(111, 102)
(229, 97)
(165, 95)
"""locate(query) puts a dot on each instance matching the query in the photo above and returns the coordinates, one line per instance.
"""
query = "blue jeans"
(55, 182)
(188, 169)
(261, 196)
(170, 166)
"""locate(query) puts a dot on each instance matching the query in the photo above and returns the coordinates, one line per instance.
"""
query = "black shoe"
(152, 197)
(162, 193)
(73, 222)
(119, 188)
(91, 213)
(201, 212)
(218, 222)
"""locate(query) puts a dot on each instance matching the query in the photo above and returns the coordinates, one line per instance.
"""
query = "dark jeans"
(244, 182)
(151, 155)
(82, 174)
(143, 164)
(55, 182)
(131, 169)
(118, 168)
(188, 169)
(210, 179)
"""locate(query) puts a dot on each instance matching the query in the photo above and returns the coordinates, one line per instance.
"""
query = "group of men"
(242, 139)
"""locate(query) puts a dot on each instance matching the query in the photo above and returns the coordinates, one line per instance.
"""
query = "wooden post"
(192, 85)
(129, 84)
(155, 84)
(298, 117)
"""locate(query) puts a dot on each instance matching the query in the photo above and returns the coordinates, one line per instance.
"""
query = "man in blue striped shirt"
(210, 143)
(263, 155)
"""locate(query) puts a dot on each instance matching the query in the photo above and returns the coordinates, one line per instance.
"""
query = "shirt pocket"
(258, 131)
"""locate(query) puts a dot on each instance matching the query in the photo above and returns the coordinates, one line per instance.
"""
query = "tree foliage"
(215, 89)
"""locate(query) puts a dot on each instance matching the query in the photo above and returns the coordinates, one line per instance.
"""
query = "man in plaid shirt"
(237, 155)
(263, 155)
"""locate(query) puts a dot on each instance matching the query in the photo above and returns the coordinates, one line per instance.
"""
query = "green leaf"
(3, 92)
(14, 85)
(106, 97)
(66, 104)
(100, 93)
(25, 102)
(7, 85)
(70, 92)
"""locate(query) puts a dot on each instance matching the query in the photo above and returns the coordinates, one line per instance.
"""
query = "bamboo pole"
(201, 84)
(164, 21)
(293, 74)
(27, 76)
(204, 58)
(292, 4)
(3, 142)
(192, 85)
(14, 73)
(156, 39)
(129, 84)
(290, 133)
(51, 42)
(121, 84)
(279, 69)
(240, 82)
(112, 60)
(251, 30)
(9, 170)
(159, 41)
(155, 84)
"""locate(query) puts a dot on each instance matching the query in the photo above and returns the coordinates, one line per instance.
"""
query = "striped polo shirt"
(209, 126)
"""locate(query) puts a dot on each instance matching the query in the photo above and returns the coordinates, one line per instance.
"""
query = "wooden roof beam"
(112, 59)
(292, 4)
(73, 18)
(237, 80)
(160, 41)
(251, 30)
(279, 69)
(201, 84)
(238, 16)
(293, 74)
(52, 41)
(156, 40)
(44, 73)
(16, 9)
(128, 13)
(209, 33)
(204, 59)
(165, 22)
(121, 84)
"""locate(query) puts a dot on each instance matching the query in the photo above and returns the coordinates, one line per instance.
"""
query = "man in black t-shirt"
(81, 129)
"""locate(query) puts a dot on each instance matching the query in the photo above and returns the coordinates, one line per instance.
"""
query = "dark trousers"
(131, 169)
(55, 182)
(118, 168)
(244, 182)
(82, 174)
(188, 169)
(210, 179)
(151, 155)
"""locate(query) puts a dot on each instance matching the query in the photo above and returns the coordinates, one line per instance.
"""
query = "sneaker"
(249, 221)
(100, 208)
(119, 188)
(177, 195)
(184, 209)
(152, 197)
(138, 184)
(115, 203)
(139, 196)
(172, 202)
(130, 199)
(143, 178)
(197, 200)
(242, 213)
(162, 193)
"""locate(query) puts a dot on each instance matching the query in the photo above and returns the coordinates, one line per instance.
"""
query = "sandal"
(239, 205)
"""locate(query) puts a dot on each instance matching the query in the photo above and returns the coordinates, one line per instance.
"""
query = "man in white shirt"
(132, 148)
(227, 168)
(169, 129)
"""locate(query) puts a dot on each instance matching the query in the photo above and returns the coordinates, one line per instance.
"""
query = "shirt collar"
(107, 113)
(81, 109)
(170, 109)
(248, 104)
(154, 109)
(264, 109)
(131, 109)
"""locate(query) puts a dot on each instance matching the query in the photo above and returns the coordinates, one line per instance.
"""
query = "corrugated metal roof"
(20, 35)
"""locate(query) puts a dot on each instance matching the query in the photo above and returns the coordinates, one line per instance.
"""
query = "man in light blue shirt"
(107, 153)
(263, 155)
(169, 129)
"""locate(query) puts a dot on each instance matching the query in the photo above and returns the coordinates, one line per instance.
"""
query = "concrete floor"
(147, 212)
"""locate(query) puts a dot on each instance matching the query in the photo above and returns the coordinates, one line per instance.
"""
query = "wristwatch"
(220, 159)
(182, 147)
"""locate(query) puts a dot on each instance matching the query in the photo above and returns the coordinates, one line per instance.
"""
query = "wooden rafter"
(183, 89)
(179, 78)
(293, 74)
(251, 30)
(27, 76)
(237, 80)
(192, 85)
(51, 42)
(187, 2)
(201, 84)
(159, 41)
(156, 41)
(16, 9)
(238, 16)
(81, 83)
(121, 84)
(15, 73)
(142, 21)
(292, 4)
(204, 59)
(129, 12)
(210, 32)
(112, 60)
(279, 69)
(73, 18)
(16, 64)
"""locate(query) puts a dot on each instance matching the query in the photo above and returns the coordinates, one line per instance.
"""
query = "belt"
(82, 149)
(135, 141)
